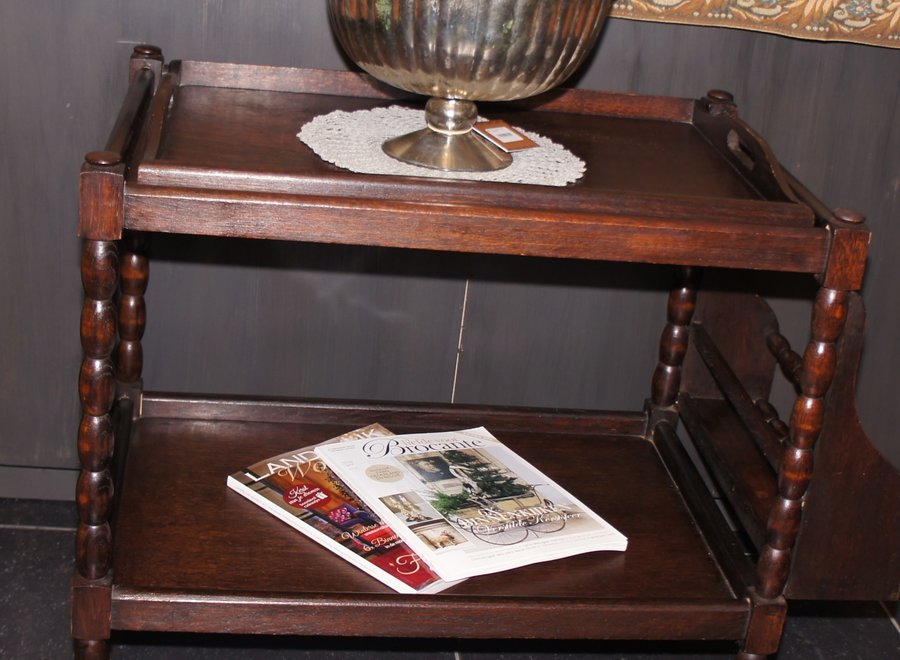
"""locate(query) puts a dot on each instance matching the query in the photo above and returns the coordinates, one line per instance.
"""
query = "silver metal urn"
(461, 51)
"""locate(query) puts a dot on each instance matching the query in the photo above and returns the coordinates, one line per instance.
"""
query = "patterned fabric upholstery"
(873, 22)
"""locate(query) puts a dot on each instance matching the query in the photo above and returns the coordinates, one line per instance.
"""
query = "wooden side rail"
(159, 110)
(146, 66)
(750, 415)
(124, 129)
(730, 553)
(744, 478)
(728, 368)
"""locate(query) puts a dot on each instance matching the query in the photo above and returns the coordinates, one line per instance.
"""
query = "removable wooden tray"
(664, 175)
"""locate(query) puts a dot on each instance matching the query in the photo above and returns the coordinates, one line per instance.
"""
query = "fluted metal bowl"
(461, 51)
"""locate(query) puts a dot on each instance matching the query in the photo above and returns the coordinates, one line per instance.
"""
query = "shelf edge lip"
(607, 202)
(169, 177)
(377, 599)
(303, 80)
(291, 410)
(469, 229)
(591, 618)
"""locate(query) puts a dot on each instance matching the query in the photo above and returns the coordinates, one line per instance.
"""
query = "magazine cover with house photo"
(466, 503)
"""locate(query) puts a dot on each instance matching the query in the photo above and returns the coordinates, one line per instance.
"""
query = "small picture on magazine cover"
(431, 468)
(410, 507)
(439, 535)
(482, 497)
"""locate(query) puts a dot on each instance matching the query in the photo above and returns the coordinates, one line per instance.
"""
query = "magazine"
(299, 489)
(466, 503)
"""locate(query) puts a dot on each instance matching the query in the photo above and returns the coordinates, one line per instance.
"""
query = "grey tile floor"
(37, 541)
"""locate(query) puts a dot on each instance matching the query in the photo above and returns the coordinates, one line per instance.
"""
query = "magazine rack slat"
(207, 149)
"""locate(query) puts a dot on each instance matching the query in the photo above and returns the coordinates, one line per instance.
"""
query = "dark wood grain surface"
(203, 117)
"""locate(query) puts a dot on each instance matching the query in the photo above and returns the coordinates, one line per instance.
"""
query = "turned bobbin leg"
(97, 389)
(674, 341)
(132, 312)
(819, 360)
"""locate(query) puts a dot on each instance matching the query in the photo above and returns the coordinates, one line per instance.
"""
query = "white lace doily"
(352, 140)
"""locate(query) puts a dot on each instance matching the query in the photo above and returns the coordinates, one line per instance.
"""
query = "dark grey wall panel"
(550, 333)
(44, 126)
(829, 111)
(311, 321)
(276, 32)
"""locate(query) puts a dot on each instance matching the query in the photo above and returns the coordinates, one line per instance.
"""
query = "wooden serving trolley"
(208, 149)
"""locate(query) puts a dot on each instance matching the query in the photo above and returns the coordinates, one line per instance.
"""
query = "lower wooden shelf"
(191, 555)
